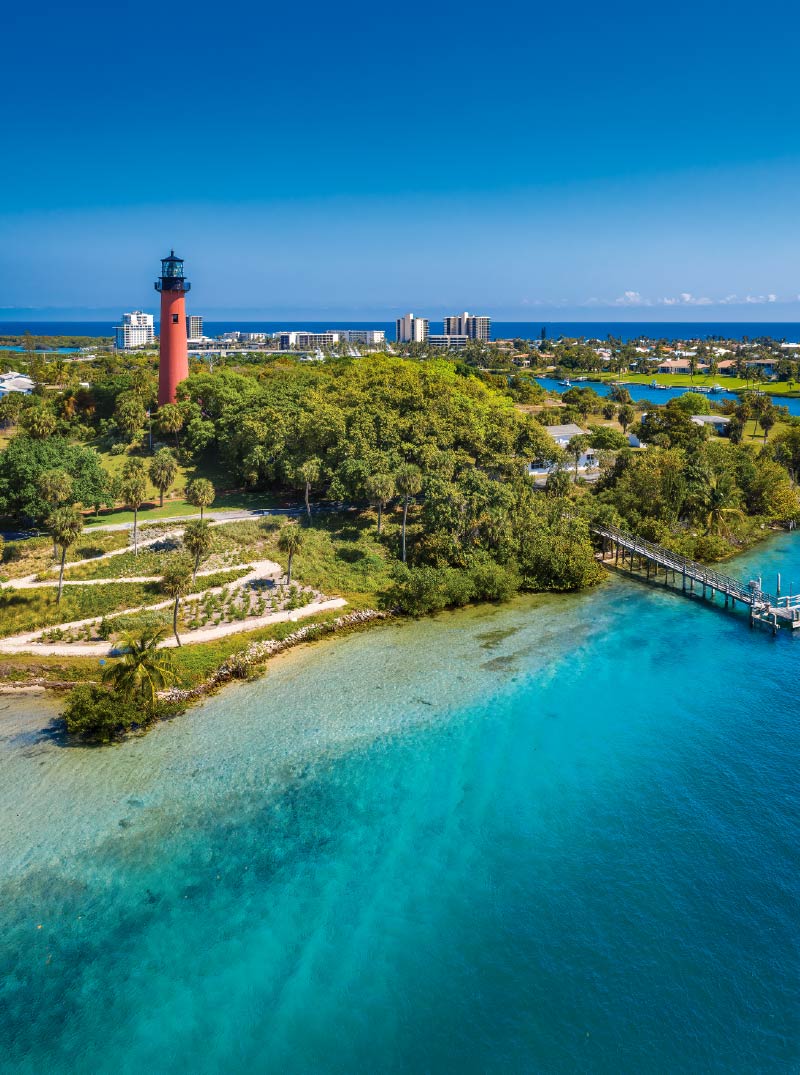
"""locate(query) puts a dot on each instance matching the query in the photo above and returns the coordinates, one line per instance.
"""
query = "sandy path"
(27, 644)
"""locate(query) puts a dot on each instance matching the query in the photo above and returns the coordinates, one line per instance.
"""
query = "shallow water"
(555, 836)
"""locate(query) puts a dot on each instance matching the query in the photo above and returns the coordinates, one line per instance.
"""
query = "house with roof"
(717, 422)
(15, 382)
(681, 365)
(562, 435)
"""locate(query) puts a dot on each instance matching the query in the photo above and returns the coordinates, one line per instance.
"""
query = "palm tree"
(767, 417)
(200, 494)
(134, 490)
(290, 541)
(408, 480)
(197, 540)
(721, 502)
(163, 469)
(144, 669)
(55, 488)
(309, 473)
(65, 524)
(576, 447)
(380, 490)
(175, 582)
(170, 419)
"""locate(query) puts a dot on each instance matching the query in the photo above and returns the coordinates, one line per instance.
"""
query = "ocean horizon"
(788, 331)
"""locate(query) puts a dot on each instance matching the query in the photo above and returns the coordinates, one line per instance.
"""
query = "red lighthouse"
(173, 362)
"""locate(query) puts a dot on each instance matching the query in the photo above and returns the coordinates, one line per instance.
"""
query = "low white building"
(718, 422)
(562, 435)
(136, 330)
(452, 341)
(15, 382)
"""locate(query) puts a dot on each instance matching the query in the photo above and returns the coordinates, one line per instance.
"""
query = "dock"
(635, 555)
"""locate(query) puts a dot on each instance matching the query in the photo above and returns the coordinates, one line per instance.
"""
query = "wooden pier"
(624, 551)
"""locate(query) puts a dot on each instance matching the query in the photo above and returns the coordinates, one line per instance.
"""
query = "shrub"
(494, 582)
(117, 449)
(97, 715)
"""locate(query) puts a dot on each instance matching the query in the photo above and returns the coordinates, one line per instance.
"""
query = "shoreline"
(252, 661)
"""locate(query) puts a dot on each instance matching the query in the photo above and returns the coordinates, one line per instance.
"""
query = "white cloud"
(631, 298)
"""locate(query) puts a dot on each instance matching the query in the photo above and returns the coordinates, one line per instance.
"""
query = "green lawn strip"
(195, 663)
(24, 667)
(32, 556)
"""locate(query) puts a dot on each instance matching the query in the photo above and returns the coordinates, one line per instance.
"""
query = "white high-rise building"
(136, 330)
(412, 329)
(476, 328)
(194, 327)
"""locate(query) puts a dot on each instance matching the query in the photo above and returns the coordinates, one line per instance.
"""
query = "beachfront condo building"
(411, 329)
(136, 330)
(453, 341)
(194, 327)
(476, 328)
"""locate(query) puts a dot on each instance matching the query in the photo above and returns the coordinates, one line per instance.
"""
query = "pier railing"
(749, 593)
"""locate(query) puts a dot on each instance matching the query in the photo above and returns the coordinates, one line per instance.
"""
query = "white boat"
(715, 388)
(565, 384)
(700, 388)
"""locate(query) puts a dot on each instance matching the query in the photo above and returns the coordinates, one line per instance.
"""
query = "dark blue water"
(558, 836)
(655, 395)
(624, 330)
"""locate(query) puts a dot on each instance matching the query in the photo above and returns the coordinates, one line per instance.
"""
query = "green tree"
(38, 421)
(380, 490)
(134, 492)
(24, 461)
(197, 539)
(65, 524)
(170, 419)
(721, 503)
(309, 473)
(55, 488)
(143, 670)
(175, 582)
(767, 419)
(290, 541)
(626, 416)
(129, 414)
(163, 468)
(10, 408)
(200, 494)
(408, 481)
(576, 447)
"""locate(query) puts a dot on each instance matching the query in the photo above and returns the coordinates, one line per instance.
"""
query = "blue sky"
(622, 161)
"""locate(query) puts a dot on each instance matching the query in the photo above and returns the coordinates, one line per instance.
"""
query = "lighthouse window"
(175, 319)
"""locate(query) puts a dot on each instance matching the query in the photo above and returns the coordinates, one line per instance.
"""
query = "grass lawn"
(33, 556)
(228, 497)
(22, 667)
(340, 555)
(684, 380)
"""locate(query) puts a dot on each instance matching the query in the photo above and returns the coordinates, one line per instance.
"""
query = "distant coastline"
(625, 330)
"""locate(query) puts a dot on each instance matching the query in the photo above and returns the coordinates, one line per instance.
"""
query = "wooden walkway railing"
(763, 606)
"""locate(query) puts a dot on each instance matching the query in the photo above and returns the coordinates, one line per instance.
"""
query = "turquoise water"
(557, 836)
